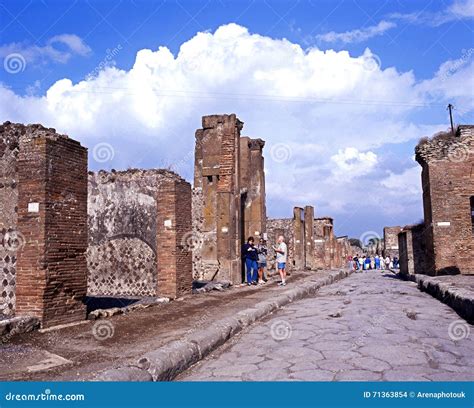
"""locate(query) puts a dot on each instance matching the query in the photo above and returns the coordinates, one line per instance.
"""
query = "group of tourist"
(254, 258)
(365, 263)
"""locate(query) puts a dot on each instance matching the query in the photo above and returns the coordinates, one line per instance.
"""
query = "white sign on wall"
(33, 207)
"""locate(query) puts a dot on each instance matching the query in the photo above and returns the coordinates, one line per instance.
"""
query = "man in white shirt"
(281, 255)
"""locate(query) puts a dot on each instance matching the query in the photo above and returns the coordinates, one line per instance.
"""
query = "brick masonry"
(52, 218)
(228, 197)
(412, 249)
(325, 250)
(124, 210)
(175, 238)
(390, 241)
(448, 189)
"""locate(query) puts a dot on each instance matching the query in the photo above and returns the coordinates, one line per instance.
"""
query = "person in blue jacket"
(250, 257)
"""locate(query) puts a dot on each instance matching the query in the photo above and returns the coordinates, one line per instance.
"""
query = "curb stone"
(166, 362)
(460, 300)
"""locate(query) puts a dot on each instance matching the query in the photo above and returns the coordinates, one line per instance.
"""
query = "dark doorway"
(472, 213)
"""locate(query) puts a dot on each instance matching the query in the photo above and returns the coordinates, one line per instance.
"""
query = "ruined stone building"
(64, 236)
(129, 215)
(311, 241)
(444, 243)
(228, 197)
(43, 221)
(390, 241)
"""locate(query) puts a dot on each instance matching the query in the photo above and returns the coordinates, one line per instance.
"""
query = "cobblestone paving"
(368, 327)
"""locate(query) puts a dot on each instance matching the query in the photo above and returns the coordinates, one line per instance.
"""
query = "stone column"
(299, 251)
(309, 238)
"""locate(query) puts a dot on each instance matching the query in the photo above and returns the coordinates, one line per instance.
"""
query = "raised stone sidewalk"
(457, 291)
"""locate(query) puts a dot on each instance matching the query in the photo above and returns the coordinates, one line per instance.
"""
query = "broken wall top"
(150, 177)
(13, 133)
(445, 145)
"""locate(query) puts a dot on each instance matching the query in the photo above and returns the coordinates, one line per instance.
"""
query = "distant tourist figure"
(367, 263)
(281, 254)
(387, 262)
(395, 262)
(250, 256)
(356, 262)
(372, 262)
(262, 260)
(377, 262)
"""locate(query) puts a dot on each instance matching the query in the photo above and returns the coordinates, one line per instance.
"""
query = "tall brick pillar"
(252, 181)
(218, 204)
(298, 224)
(52, 218)
(309, 239)
(174, 239)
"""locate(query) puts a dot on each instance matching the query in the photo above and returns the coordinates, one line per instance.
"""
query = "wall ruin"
(390, 241)
(44, 225)
(447, 162)
(228, 197)
(311, 241)
(124, 227)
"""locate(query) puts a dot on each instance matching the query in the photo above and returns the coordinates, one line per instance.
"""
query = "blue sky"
(340, 90)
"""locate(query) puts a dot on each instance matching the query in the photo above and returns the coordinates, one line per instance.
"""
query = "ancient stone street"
(370, 326)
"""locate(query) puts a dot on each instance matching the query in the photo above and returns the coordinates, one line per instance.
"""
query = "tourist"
(387, 262)
(250, 256)
(281, 254)
(395, 262)
(367, 263)
(356, 262)
(262, 260)
(372, 262)
(377, 262)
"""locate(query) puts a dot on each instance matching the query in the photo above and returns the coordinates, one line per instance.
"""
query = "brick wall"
(52, 217)
(175, 238)
(124, 227)
(412, 249)
(217, 199)
(390, 241)
(448, 184)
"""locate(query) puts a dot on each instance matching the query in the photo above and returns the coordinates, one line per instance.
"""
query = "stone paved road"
(369, 326)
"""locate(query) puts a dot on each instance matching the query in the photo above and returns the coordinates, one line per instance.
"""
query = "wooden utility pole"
(450, 108)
